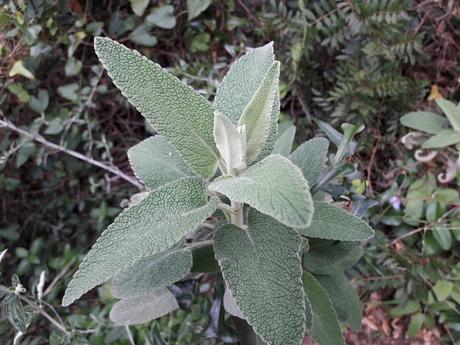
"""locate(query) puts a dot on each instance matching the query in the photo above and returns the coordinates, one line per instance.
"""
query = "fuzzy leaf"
(344, 298)
(149, 227)
(333, 223)
(424, 121)
(15, 313)
(274, 186)
(175, 110)
(230, 143)
(310, 157)
(153, 272)
(230, 305)
(283, 145)
(256, 116)
(444, 138)
(452, 112)
(325, 329)
(156, 162)
(261, 266)
(241, 83)
(144, 308)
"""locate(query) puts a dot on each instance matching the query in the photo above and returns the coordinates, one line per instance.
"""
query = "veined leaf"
(424, 121)
(241, 83)
(274, 186)
(175, 110)
(256, 116)
(149, 227)
(344, 298)
(144, 308)
(156, 162)
(261, 266)
(325, 329)
(231, 144)
(452, 112)
(283, 145)
(15, 313)
(333, 223)
(310, 157)
(153, 272)
(444, 138)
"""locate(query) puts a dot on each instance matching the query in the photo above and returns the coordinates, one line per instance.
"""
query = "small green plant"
(219, 167)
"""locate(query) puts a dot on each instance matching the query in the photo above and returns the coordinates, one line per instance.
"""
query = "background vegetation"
(65, 130)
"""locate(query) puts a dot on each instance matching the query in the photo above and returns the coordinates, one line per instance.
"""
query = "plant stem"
(237, 218)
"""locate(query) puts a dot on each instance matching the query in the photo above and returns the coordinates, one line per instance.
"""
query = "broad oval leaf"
(149, 227)
(274, 186)
(256, 116)
(344, 298)
(15, 313)
(325, 329)
(310, 157)
(424, 121)
(156, 162)
(452, 112)
(153, 272)
(333, 223)
(144, 308)
(175, 110)
(444, 138)
(261, 266)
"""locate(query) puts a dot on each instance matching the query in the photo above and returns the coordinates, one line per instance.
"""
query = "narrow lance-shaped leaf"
(156, 162)
(144, 308)
(325, 329)
(175, 110)
(149, 227)
(424, 121)
(231, 143)
(153, 272)
(333, 223)
(256, 116)
(310, 157)
(274, 186)
(261, 266)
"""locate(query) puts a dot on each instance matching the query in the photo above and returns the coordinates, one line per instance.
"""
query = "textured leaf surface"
(444, 138)
(15, 313)
(344, 298)
(326, 256)
(147, 228)
(261, 266)
(156, 162)
(153, 272)
(283, 145)
(274, 186)
(230, 305)
(325, 329)
(333, 223)
(175, 110)
(144, 308)
(310, 157)
(256, 116)
(230, 143)
(424, 121)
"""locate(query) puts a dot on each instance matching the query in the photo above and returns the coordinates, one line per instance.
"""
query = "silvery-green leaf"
(231, 144)
(241, 83)
(274, 186)
(444, 138)
(230, 305)
(424, 121)
(345, 147)
(261, 267)
(153, 272)
(310, 157)
(256, 116)
(344, 298)
(15, 313)
(163, 17)
(139, 6)
(156, 162)
(175, 110)
(333, 223)
(149, 227)
(452, 112)
(196, 7)
(283, 145)
(144, 308)
(325, 329)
